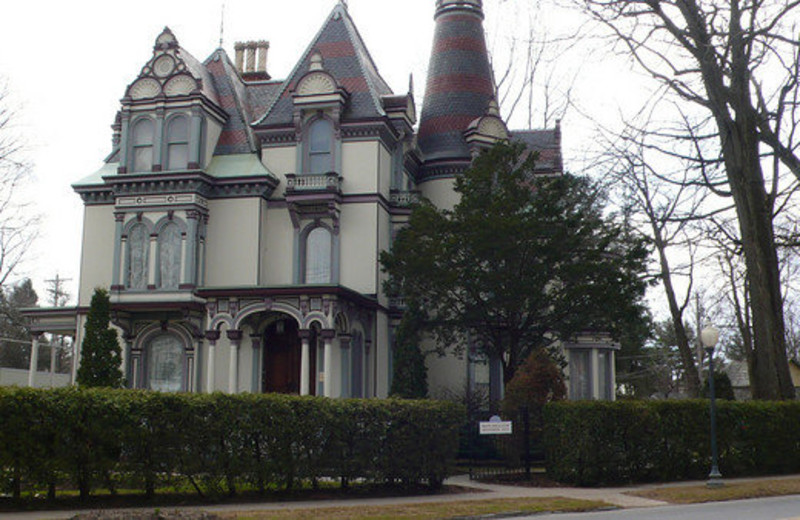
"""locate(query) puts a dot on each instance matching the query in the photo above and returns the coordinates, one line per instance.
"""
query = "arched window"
(143, 132)
(357, 359)
(178, 143)
(138, 252)
(320, 146)
(165, 363)
(318, 256)
(169, 256)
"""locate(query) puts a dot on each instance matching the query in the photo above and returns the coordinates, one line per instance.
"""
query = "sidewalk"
(614, 496)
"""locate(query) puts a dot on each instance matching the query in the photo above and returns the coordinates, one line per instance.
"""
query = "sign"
(494, 427)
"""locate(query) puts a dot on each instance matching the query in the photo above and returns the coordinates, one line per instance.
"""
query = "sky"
(67, 64)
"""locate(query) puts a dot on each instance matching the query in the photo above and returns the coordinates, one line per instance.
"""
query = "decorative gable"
(167, 73)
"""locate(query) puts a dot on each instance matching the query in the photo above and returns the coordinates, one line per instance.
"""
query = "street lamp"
(709, 337)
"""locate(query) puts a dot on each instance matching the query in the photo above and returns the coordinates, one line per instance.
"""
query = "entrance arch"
(280, 371)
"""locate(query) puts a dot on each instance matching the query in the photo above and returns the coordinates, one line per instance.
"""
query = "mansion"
(238, 220)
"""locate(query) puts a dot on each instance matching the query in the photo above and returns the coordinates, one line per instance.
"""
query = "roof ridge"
(299, 64)
(356, 36)
(229, 72)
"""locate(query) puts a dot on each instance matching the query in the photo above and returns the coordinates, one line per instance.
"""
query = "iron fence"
(505, 456)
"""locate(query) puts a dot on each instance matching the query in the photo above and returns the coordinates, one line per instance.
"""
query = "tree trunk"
(770, 377)
(685, 350)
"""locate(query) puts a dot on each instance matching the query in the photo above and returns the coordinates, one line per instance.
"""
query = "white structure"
(238, 220)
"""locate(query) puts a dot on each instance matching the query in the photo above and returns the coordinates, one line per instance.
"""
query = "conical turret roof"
(460, 83)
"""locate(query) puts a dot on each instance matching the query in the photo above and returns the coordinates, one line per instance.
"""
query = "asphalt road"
(776, 508)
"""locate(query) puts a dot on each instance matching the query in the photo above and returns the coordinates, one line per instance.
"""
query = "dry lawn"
(429, 511)
(730, 491)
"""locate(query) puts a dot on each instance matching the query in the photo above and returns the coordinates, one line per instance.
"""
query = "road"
(776, 508)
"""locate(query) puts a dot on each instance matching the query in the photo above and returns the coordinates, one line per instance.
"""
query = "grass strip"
(730, 491)
(428, 511)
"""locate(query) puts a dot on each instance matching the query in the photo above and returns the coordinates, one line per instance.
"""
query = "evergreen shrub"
(597, 443)
(217, 444)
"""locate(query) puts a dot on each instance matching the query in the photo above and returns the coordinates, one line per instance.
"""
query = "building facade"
(238, 220)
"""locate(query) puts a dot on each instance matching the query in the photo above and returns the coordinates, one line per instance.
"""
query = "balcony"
(404, 199)
(302, 184)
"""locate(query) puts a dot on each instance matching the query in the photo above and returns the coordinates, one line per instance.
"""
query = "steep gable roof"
(547, 142)
(345, 57)
(237, 136)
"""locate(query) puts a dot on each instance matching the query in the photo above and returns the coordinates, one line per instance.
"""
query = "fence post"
(526, 442)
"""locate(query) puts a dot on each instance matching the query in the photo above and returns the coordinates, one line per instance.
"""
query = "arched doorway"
(281, 368)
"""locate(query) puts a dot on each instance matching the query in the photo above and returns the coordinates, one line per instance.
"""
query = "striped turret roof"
(460, 84)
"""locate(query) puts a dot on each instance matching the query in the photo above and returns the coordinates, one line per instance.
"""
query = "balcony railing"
(404, 199)
(303, 183)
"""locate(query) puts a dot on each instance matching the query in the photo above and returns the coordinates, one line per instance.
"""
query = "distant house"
(740, 378)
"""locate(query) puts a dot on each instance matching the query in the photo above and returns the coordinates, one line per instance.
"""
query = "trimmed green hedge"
(89, 438)
(594, 443)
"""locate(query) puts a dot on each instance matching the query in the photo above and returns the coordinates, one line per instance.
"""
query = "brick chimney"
(251, 60)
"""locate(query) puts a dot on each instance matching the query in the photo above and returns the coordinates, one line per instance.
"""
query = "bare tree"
(737, 60)
(17, 225)
(663, 207)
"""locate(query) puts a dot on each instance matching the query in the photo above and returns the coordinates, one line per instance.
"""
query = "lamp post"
(709, 337)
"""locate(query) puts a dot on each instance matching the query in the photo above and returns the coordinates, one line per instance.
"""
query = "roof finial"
(221, 24)
(411, 83)
(343, 3)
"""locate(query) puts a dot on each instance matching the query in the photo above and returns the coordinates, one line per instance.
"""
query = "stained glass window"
(169, 257)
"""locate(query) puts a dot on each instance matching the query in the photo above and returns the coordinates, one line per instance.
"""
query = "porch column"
(235, 337)
(212, 336)
(34, 358)
(116, 269)
(327, 377)
(127, 367)
(305, 361)
(256, 343)
(344, 366)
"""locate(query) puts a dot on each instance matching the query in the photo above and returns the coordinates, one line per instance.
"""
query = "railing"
(330, 181)
(53, 363)
(404, 198)
(397, 303)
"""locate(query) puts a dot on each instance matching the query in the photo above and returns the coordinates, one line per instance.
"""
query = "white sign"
(494, 427)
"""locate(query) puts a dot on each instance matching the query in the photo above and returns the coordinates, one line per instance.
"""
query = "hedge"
(596, 443)
(217, 443)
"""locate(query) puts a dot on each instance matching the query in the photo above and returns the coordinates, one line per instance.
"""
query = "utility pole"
(58, 298)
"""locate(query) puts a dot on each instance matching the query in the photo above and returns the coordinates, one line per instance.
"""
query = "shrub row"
(594, 443)
(86, 438)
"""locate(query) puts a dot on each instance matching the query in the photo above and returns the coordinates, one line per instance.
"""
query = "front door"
(281, 372)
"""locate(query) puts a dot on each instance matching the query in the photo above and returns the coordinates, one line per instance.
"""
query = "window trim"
(309, 153)
(148, 227)
(303, 257)
(134, 145)
(169, 142)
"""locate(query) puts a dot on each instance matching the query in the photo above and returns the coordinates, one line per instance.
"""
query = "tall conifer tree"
(101, 356)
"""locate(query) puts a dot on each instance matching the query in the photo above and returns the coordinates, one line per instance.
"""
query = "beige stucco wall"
(280, 161)
(212, 133)
(359, 256)
(449, 372)
(277, 267)
(97, 251)
(232, 242)
(384, 171)
(440, 192)
(359, 166)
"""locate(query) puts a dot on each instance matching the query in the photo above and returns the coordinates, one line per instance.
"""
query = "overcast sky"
(67, 64)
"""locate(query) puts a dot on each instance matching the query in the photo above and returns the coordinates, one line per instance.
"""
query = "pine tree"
(410, 376)
(101, 356)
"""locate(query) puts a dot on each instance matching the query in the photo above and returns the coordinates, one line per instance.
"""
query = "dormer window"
(320, 146)
(178, 143)
(143, 134)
